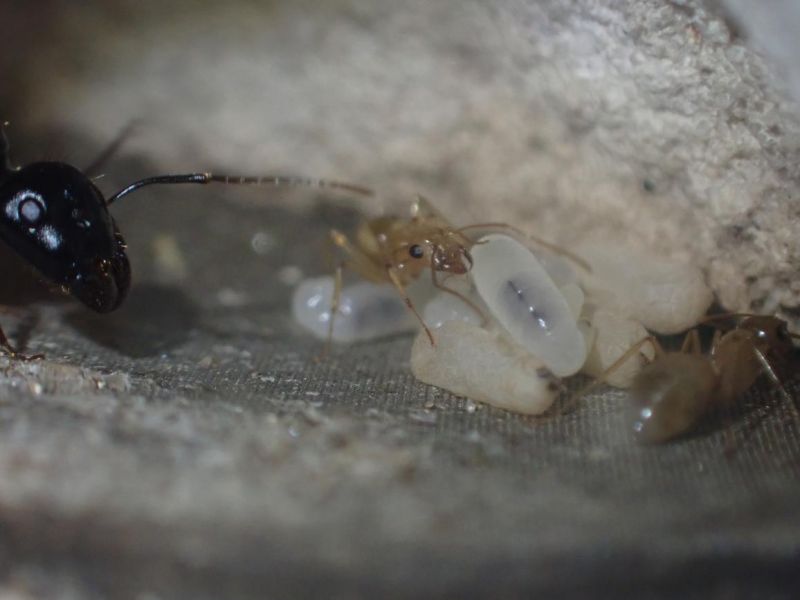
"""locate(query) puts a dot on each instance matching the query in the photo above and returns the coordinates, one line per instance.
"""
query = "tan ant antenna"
(770, 371)
(748, 428)
(555, 248)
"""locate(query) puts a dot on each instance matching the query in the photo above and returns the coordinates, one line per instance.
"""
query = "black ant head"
(57, 220)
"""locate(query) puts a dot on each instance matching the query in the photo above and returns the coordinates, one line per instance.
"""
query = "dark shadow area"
(153, 320)
(20, 284)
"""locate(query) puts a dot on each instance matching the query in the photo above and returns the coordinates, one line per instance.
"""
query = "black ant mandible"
(57, 220)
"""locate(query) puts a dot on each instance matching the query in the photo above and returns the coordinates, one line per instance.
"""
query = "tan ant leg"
(424, 207)
(358, 262)
(335, 299)
(626, 356)
(537, 240)
(440, 285)
(390, 272)
(691, 343)
(748, 428)
(715, 339)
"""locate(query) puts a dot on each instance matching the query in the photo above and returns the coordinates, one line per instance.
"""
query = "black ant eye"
(416, 251)
(27, 207)
(31, 210)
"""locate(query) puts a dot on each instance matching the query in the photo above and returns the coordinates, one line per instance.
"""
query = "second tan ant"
(677, 389)
(397, 250)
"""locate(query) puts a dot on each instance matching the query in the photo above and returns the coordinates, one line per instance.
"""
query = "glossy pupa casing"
(522, 297)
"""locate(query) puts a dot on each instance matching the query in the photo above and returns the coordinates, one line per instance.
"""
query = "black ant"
(57, 220)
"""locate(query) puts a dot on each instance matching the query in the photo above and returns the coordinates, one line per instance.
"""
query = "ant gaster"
(58, 221)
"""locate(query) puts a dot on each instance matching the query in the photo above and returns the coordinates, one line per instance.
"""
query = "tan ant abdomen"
(670, 395)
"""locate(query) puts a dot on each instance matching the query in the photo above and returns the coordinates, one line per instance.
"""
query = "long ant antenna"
(750, 427)
(272, 180)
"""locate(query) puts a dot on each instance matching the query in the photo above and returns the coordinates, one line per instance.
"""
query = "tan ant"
(397, 250)
(672, 393)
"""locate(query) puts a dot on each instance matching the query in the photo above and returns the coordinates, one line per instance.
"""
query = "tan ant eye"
(416, 251)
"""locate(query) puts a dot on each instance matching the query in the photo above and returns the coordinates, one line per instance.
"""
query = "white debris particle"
(290, 275)
(231, 298)
(169, 261)
(262, 242)
(426, 417)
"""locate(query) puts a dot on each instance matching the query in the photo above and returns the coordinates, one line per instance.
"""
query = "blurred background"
(189, 445)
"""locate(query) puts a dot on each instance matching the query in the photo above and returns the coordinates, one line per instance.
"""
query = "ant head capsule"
(451, 257)
(771, 335)
(57, 220)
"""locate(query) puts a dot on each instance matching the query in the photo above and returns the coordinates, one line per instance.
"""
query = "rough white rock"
(665, 295)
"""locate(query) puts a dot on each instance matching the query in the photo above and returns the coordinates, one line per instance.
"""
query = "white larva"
(616, 333)
(524, 300)
(366, 310)
(484, 365)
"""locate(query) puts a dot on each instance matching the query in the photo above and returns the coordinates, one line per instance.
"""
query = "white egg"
(366, 310)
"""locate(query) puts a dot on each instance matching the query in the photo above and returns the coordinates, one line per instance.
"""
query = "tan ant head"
(770, 335)
(447, 253)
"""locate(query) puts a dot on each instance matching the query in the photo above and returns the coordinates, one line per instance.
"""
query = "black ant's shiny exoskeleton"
(58, 221)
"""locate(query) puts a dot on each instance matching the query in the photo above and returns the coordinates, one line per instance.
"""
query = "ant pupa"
(523, 298)
(672, 393)
(57, 220)
(397, 251)
(536, 333)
